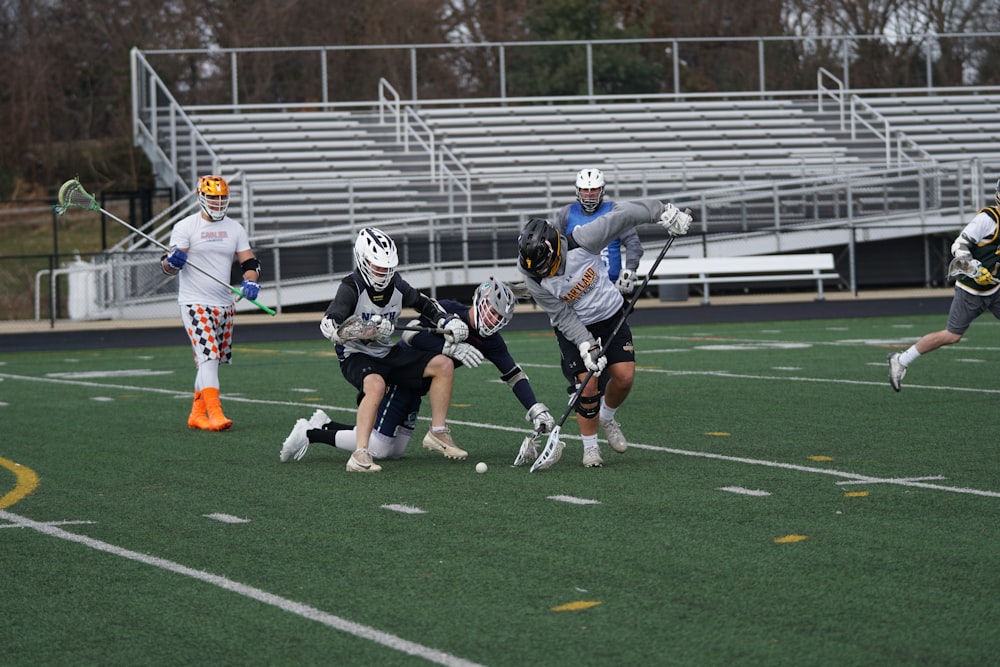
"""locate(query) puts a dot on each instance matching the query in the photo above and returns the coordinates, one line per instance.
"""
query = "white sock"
(589, 441)
(346, 440)
(908, 357)
(606, 412)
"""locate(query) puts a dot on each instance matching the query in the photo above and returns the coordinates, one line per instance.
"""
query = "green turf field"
(780, 505)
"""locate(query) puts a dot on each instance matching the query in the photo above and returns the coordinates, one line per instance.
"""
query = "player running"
(568, 279)
(492, 309)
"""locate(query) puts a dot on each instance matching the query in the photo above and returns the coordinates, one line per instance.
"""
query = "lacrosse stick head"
(72, 195)
(966, 266)
(356, 328)
(529, 450)
(552, 452)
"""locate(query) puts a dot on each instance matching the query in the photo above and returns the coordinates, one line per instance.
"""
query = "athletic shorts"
(210, 329)
(403, 366)
(617, 350)
(966, 307)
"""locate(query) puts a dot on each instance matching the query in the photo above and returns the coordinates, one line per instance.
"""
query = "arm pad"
(251, 264)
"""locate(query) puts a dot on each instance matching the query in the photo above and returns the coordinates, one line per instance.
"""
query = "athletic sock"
(606, 412)
(908, 357)
(589, 441)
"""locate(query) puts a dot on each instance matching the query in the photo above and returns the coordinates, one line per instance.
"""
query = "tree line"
(64, 66)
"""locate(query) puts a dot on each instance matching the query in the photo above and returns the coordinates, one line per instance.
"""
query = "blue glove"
(250, 289)
(177, 259)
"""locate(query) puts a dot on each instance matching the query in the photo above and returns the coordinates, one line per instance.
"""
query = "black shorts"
(616, 350)
(403, 366)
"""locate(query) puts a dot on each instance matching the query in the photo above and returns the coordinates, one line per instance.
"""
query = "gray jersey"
(582, 294)
(353, 298)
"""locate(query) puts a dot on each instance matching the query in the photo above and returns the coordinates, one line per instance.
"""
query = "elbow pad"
(252, 264)
(513, 376)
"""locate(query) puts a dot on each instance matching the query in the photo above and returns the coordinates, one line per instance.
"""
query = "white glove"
(385, 327)
(328, 328)
(454, 327)
(540, 418)
(592, 357)
(674, 220)
(626, 281)
(468, 355)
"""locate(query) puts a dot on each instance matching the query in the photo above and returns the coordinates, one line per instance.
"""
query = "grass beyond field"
(780, 505)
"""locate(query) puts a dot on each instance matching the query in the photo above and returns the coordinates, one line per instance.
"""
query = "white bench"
(758, 268)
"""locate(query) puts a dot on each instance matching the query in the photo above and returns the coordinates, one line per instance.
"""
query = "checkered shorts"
(210, 329)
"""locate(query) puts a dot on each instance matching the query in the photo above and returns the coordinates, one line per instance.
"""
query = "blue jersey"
(612, 254)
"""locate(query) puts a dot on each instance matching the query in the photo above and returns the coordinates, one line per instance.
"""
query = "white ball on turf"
(481, 467)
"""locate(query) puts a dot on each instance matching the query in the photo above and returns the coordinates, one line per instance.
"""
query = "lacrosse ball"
(481, 467)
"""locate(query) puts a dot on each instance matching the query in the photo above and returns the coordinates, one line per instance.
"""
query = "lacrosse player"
(375, 294)
(976, 260)
(568, 279)
(210, 238)
(590, 204)
(492, 309)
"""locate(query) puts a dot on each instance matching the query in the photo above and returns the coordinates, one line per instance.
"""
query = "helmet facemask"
(493, 305)
(590, 189)
(376, 257)
(540, 249)
(213, 195)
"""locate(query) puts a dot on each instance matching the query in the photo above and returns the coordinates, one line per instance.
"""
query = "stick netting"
(72, 195)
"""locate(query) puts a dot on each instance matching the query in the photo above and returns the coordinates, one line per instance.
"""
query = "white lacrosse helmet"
(587, 181)
(493, 302)
(213, 195)
(376, 257)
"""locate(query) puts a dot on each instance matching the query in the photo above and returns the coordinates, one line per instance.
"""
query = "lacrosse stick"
(529, 450)
(433, 330)
(357, 328)
(553, 446)
(72, 195)
(968, 267)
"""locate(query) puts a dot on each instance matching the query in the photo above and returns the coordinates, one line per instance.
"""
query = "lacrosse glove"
(328, 328)
(464, 353)
(674, 220)
(454, 327)
(984, 277)
(384, 328)
(177, 259)
(626, 281)
(250, 289)
(592, 357)
(540, 418)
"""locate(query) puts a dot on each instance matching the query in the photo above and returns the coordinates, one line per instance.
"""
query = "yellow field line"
(27, 481)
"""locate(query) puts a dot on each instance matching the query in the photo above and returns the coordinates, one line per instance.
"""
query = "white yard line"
(305, 611)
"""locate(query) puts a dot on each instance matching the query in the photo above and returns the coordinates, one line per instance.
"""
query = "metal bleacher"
(453, 180)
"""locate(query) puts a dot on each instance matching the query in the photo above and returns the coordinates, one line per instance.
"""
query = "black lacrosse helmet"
(540, 248)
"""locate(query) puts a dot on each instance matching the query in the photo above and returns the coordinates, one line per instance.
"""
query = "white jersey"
(582, 294)
(211, 246)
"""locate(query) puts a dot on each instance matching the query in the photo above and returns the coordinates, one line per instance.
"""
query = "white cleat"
(592, 457)
(441, 442)
(897, 371)
(361, 461)
(296, 444)
(319, 419)
(613, 431)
